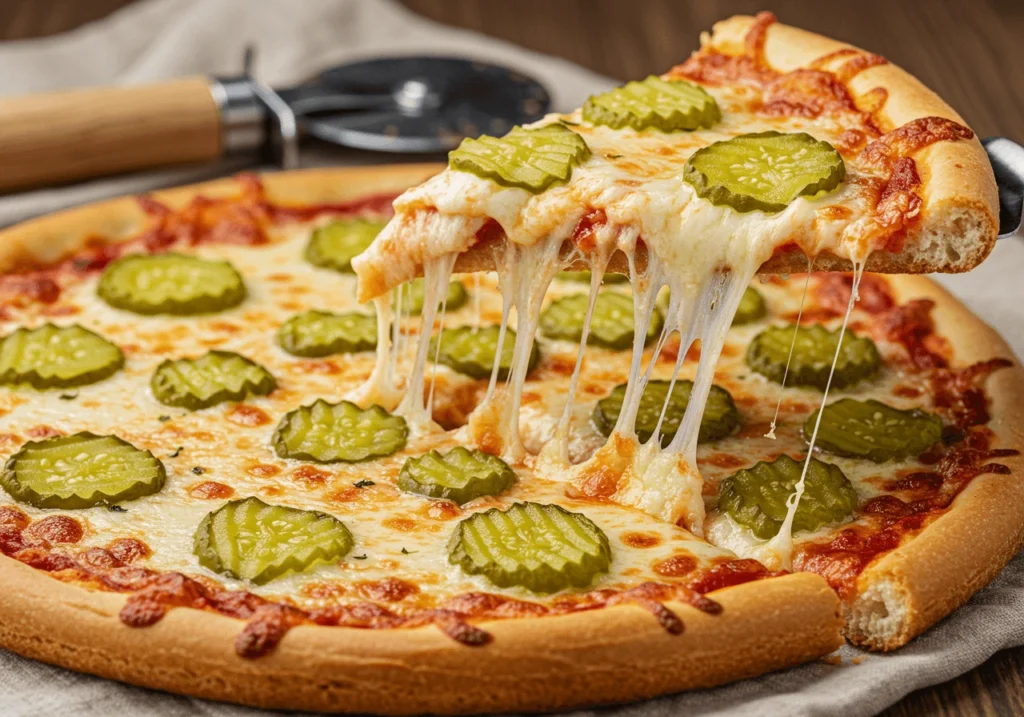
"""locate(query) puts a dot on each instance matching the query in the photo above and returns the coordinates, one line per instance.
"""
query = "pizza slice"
(770, 150)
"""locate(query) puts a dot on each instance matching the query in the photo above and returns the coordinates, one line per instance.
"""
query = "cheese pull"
(314, 334)
(461, 475)
(583, 277)
(339, 433)
(756, 497)
(531, 159)
(543, 548)
(175, 284)
(813, 349)
(752, 306)
(57, 357)
(412, 294)
(473, 352)
(873, 430)
(720, 417)
(253, 541)
(654, 104)
(213, 378)
(611, 325)
(82, 470)
(335, 245)
(764, 171)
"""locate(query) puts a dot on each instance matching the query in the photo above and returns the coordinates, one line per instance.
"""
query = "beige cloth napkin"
(164, 38)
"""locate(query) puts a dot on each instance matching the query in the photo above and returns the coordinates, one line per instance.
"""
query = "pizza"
(524, 432)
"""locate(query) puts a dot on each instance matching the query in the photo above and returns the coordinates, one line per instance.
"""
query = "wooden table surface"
(969, 51)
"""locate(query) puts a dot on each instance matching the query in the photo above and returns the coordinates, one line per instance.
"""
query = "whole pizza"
(607, 408)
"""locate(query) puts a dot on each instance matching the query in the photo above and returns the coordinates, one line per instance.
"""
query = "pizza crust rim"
(604, 656)
(911, 588)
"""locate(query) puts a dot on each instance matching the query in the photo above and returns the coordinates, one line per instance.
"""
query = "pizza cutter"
(404, 105)
(1007, 158)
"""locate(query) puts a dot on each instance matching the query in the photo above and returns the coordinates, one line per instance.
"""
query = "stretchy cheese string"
(792, 345)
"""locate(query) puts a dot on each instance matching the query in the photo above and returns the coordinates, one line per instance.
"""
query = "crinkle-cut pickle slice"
(82, 470)
(413, 294)
(530, 159)
(752, 308)
(254, 541)
(313, 334)
(213, 378)
(611, 325)
(335, 245)
(583, 277)
(175, 284)
(460, 475)
(720, 418)
(655, 104)
(471, 351)
(543, 548)
(813, 352)
(756, 497)
(874, 430)
(339, 433)
(764, 171)
(57, 357)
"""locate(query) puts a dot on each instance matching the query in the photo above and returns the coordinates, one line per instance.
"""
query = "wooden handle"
(63, 136)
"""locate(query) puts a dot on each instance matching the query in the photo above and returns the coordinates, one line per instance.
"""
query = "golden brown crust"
(913, 587)
(609, 655)
(959, 216)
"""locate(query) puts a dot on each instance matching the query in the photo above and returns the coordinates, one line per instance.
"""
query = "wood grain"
(969, 51)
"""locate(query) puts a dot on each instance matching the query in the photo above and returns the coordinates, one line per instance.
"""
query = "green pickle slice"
(57, 357)
(530, 159)
(752, 308)
(82, 470)
(813, 352)
(756, 497)
(254, 541)
(213, 378)
(543, 548)
(413, 295)
(175, 284)
(764, 171)
(874, 430)
(313, 334)
(720, 419)
(611, 325)
(461, 475)
(654, 103)
(335, 245)
(339, 433)
(471, 351)
(583, 277)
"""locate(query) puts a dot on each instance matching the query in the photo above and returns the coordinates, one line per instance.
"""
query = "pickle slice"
(339, 433)
(254, 541)
(756, 497)
(471, 351)
(874, 430)
(543, 548)
(335, 245)
(611, 325)
(82, 470)
(176, 284)
(320, 333)
(764, 171)
(752, 308)
(654, 103)
(583, 277)
(55, 357)
(413, 294)
(214, 378)
(721, 417)
(460, 475)
(813, 353)
(530, 159)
